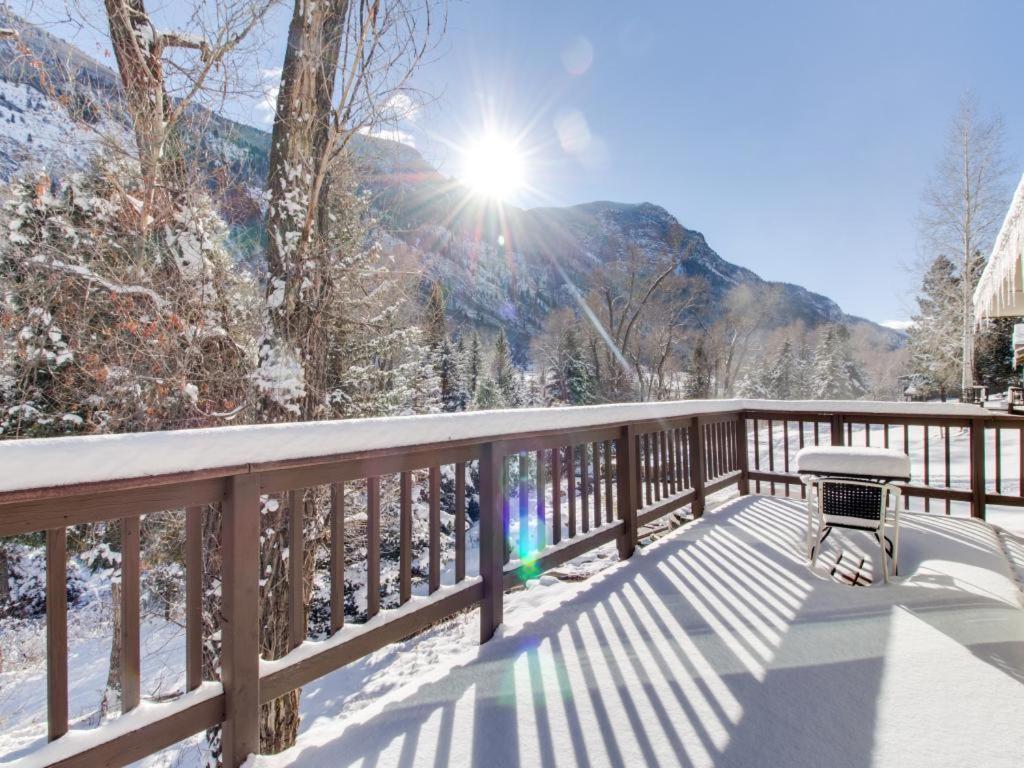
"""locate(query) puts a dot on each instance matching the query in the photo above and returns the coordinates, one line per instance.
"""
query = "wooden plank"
(460, 521)
(542, 519)
(908, 489)
(608, 505)
(771, 454)
(312, 472)
(337, 655)
(296, 575)
(1003, 499)
(524, 506)
(665, 462)
(492, 540)
(404, 537)
(434, 530)
(648, 494)
(149, 738)
(596, 457)
(742, 455)
(562, 554)
(977, 447)
(584, 490)
(56, 632)
(697, 468)
(372, 546)
(336, 564)
(663, 508)
(193, 598)
(19, 517)
(240, 651)
(131, 659)
(627, 490)
(657, 468)
(670, 444)
(570, 469)
(506, 511)
(556, 495)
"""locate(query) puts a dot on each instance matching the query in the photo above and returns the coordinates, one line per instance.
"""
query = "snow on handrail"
(59, 461)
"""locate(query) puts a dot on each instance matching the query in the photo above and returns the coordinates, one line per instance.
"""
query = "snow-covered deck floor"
(717, 646)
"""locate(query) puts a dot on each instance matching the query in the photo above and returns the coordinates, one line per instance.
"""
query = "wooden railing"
(585, 477)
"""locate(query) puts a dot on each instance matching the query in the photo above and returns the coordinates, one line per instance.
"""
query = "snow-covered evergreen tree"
(836, 375)
(699, 373)
(506, 379)
(934, 340)
(574, 380)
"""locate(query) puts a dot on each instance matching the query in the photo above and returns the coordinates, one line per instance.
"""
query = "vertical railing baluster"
(240, 649)
(570, 471)
(803, 488)
(524, 505)
(542, 518)
(656, 465)
(742, 455)
(404, 537)
(131, 659)
(492, 538)
(647, 469)
(556, 495)
(666, 463)
(608, 505)
(670, 443)
(506, 511)
(785, 451)
(627, 490)
(757, 454)
(684, 445)
(460, 521)
(296, 578)
(999, 459)
(697, 467)
(193, 598)
(906, 450)
(771, 454)
(373, 546)
(434, 530)
(584, 490)
(336, 564)
(927, 469)
(56, 632)
(945, 436)
(596, 458)
(977, 446)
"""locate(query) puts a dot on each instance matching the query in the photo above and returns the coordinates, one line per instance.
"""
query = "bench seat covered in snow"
(848, 461)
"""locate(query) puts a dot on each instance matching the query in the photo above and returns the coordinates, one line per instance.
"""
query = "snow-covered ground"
(716, 645)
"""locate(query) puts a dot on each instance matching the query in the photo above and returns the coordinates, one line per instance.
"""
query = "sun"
(493, 166)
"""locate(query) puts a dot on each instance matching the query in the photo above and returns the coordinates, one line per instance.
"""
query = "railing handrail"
(44, 463)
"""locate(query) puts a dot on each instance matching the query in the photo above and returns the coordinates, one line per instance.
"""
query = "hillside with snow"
(58, 107)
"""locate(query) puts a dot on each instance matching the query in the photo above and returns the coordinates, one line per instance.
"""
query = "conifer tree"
(474, 363)
(699, 378)
(935, 344)
(574, 378)
(435, 323)
(504, 372)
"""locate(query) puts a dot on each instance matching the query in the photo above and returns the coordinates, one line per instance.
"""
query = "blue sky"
(797, 136)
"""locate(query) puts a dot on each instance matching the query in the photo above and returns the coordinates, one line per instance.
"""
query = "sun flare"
(493, 166)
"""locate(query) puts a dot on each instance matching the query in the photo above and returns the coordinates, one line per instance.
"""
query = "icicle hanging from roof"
(1000, 292)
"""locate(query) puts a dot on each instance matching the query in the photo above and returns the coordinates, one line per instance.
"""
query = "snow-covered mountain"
(57, 106)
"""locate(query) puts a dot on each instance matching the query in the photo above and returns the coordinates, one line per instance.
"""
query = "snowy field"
(716, 645)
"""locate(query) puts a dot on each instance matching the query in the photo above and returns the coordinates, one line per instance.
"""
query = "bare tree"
(346, 70)
(963, 205)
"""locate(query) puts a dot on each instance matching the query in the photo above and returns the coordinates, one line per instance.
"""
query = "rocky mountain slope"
(509, 267)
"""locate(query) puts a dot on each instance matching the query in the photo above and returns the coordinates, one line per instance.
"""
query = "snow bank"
(46, 462)
(852, 460)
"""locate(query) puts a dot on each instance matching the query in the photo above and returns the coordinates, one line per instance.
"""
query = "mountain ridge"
(507, 268)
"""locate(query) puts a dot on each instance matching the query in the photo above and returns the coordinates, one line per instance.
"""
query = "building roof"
(1000, 291)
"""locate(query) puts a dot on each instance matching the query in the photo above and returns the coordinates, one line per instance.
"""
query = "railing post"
(978, 468)
(492, 539)
(836, 429)
(626, 489)
(240, 650)
(697, 466)
(742, 455)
